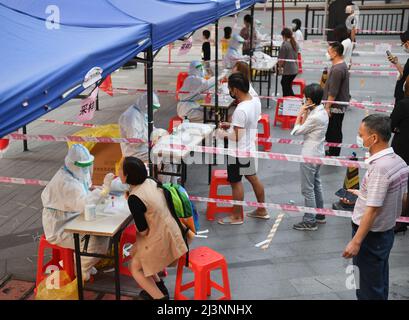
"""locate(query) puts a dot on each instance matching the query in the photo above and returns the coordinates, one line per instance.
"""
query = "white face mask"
(294, 26)
(328, 56)
(360, 142)
(406, 49)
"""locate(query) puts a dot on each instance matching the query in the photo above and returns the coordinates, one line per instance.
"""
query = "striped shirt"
(383, 187)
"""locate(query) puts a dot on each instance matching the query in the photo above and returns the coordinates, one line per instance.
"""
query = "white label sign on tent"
(238, 5)
(291, 107)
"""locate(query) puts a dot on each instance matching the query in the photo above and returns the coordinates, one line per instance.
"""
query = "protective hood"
(196, 69)
(79, 163)
(142, 102)
(236, 42)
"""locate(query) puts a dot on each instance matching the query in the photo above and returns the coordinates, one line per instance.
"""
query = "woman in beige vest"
(159, 241)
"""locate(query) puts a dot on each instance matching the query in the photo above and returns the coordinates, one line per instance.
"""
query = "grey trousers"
(311, 189)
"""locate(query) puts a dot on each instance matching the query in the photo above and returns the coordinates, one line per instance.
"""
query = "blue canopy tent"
(43, 68)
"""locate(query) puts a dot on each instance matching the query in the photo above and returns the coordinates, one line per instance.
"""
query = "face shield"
(80, 163)
(236, 42)
(141, 103)
(196, 69)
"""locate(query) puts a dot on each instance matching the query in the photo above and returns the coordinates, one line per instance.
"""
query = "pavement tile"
(15, 289)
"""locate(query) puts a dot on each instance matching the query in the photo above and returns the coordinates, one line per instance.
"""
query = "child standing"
(206, 53)
(226, 40)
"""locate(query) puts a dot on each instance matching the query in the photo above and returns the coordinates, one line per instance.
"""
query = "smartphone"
(388, 53)
(343, 193)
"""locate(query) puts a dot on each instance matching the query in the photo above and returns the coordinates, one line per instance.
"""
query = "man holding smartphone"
(380, 200)
(403, 71)
(312, 123)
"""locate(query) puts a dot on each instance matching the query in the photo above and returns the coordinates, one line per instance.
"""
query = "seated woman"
(159, 241)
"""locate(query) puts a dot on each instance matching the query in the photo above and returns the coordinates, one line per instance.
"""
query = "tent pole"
(149, 70)
(283, 11)
(25, 142)
(216, 73)
(251, 40)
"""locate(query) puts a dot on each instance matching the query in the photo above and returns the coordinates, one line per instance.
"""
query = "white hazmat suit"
(234, 53)
(64, 198)
(195, 84)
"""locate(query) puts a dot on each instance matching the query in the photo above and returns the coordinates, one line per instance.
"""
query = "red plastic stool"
(299, 63)
(58, 254)
(202, 261)
(300, 83)
(287, 122)
(219, 178)
(129, 236)
(262, 137)
(174, 122)
(179, 82)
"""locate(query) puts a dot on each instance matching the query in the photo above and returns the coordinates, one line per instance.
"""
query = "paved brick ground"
(297, 265)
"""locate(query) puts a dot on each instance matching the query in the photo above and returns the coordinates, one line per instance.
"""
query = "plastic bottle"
(324, 77)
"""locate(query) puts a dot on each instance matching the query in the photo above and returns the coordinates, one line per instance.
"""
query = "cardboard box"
(107, 155)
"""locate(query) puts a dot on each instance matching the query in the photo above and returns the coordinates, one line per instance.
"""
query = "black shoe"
(400, 227)
(144, 295)
(305, 226)
(343, 206)
(320, 219)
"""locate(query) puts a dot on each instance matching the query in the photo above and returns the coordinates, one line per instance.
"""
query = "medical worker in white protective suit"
(196, 85)
(133, 123)
(64, 198)
(234, 53)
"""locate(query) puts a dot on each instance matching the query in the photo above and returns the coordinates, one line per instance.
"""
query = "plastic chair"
(202, 261)
(287, 122)
(174, 122)
(262, 137)
(299, 57)
(179, 82)
(219, 178)
(58, 254)
(298, 82)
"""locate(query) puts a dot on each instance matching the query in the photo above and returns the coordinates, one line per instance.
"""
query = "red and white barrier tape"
(268, 155)
(70, 123)
(280, 207)
(51, 138)
(301, 142)
(360, 105)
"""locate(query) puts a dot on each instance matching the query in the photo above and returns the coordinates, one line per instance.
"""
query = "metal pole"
(149, 71)
(324, 27)
(307, 9)
(25, 144)
(272, 25)
(216, 73)
(283, 12)
(97, 107)
(251, 40)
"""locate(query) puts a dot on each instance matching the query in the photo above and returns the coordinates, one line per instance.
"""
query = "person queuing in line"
(242, 135)
(296, 28)
(403, 71)
(245, 33)
(288, 51)
(133, 124)
(64, 199)
(226, 40)
(343, 36)
(206, 53)
(159, 241)
(380, 201)
(400, 141)
(195, 85)
(312, 123)
(336, 89)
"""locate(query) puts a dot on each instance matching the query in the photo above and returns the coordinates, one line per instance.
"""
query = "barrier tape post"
(273, 231)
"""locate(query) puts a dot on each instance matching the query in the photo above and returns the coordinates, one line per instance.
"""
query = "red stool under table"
(262, 137)
(219, 178)
(58, 254)
(202, 261)
(287, 122)
(298, 82)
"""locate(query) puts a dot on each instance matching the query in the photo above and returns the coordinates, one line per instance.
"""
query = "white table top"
(108, 221)
(187, 134)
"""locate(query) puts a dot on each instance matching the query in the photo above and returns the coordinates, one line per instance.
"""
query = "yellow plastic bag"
(57, 286)
(108, 130)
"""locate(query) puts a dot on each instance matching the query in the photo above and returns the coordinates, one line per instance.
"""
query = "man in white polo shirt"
(380, 199)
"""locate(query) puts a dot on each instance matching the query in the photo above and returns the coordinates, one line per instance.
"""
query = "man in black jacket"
(403, 71)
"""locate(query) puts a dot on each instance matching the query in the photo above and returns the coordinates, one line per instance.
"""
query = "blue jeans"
(311, 189)
(373, 265)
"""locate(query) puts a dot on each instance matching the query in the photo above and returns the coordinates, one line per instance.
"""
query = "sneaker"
(305, 226)
(320, 219)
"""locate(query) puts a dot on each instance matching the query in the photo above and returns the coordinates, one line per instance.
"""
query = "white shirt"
(347, 43)
(313, 129)
(252, 92)
(299, 37)
(246, 116)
